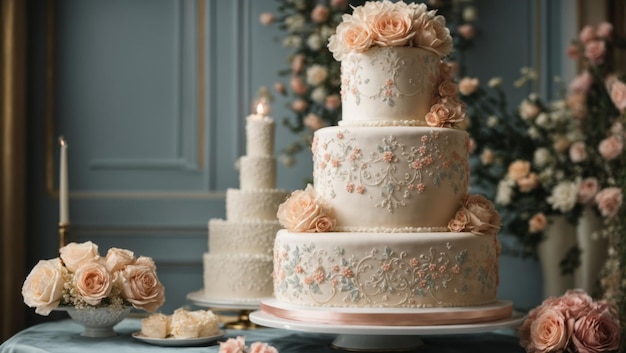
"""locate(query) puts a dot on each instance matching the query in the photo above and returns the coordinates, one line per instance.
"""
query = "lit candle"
(260, 131)
(64, 217)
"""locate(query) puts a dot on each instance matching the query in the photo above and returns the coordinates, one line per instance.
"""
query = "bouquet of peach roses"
(81, 278)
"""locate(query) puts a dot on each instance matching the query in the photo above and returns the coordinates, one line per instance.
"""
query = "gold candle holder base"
(242, 322)
(64, 232)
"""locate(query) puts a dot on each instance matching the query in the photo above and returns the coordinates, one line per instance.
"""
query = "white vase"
(594, 250)
(98, 322)
(559, 237)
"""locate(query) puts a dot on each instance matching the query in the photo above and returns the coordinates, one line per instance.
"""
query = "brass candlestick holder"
(64, 232)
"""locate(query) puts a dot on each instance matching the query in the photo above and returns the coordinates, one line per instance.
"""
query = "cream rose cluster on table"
(81, 278)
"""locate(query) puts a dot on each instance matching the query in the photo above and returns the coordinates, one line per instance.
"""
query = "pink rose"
(141, 287)
(618, 95)
(518, 169)
(297, 63)
(582, 82)
(587, 190)
(549, 331)
(574, 304)
(332, 102)
(448, 88)
(466, 31)
(537, 223)
(302, 211)
(597, 332)
(320, 13)
(280, 88)
(43, 287)
(611, 147)
(438, 115)
(266, 18)
(604, 30)
(577, 152)
(93, 282)
(587, 34)
(528, 109)
(468, 85)
(297, 85)
(573, 52)
(340, 4)
(595, 50)
(577, 102)
(75, 254)
(116, 259)
(313, 122)
(233, 345)
(528, 183)
(299, 105)
(609, 201)
(391, 27)
(487, 157)
(351, 35)
(460, 221)
(260, 347)
(432, 34)
(483, 217)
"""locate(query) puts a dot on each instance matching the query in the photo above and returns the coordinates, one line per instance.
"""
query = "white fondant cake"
(238, 266)
(389, 221)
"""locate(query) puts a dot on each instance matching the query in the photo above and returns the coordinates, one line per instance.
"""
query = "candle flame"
(259, 108)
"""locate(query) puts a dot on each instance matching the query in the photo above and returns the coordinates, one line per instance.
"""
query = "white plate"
(265, 319)
(178, 342)
(198, 298)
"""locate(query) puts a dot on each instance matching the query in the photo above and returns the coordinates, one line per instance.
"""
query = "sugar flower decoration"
(390, 24)
(305, 211)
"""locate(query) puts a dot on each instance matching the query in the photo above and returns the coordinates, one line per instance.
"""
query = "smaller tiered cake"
(238, 266)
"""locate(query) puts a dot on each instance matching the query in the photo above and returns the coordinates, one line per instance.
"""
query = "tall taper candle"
(64, 216)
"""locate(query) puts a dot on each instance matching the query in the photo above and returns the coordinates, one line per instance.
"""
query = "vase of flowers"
(96, 291)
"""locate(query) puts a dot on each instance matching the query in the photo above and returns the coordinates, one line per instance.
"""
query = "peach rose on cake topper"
(81, 278)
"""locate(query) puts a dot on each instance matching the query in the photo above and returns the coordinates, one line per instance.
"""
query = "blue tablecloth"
(64, 337)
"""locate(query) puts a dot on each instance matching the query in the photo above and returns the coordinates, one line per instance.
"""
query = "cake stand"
(243, 309)
(374, 338)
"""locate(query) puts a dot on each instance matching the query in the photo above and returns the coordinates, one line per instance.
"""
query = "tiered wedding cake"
(388, 222)
(238, 266)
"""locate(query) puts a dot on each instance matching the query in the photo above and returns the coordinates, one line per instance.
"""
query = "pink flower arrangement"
(238, 345)
(80, 277)
(572, 323)
(395, 24)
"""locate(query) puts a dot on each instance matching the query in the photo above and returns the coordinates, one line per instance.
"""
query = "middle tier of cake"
(391, 178)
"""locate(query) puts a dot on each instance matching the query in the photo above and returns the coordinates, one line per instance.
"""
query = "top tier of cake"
(388, 86)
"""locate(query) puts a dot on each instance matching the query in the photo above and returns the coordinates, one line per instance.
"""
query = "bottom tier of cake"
(385, 270)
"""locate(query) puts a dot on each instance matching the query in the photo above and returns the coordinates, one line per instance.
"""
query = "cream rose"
(438, 115)
(93, 282)
(528, 110)
(432, 34)
(304, 211)
(316, 75)
(313, 122)
(75, 254)
(117, 258)
(577, 152)
(563, 197)
(460, 221)
(145, 261)
(549, 333)
(43, 287)
(141, 287)
(352, 35)
(468, 85)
